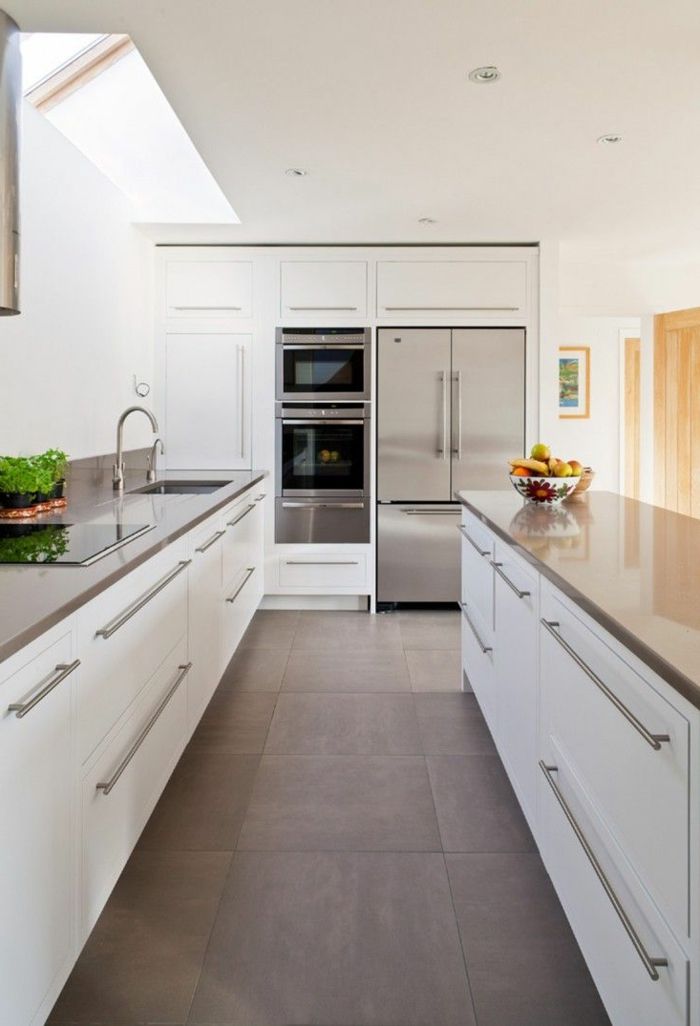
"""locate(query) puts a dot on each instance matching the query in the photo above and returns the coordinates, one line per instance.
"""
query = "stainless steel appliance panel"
(413, 436)
(323, 364)
(344, 520)
(488, 405)
(418, 553)
(322, 451)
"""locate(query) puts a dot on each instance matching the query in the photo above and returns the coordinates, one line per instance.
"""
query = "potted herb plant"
(19, 481)
(53, 462)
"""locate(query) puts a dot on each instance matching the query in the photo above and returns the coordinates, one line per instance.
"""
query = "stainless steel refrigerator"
(450, 412)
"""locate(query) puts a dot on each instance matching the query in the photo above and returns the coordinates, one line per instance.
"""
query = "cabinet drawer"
(311, 288)
(327, 570)
(208, 288)
(242, 597)
(619, 956)
(478, 666)
(477, 571)
(124, 635)
(121, 788)
(611, 724)
(485, 288)
(242, 523)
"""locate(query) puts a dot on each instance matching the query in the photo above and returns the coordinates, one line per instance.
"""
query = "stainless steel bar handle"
(653, 740)
(442, 445)
(241, 387)
(457, 449)
(511, 309)
(431, 512)
(484, 648)
(322, 420)
(305, 346)
(322, 562)
(482, 552)
(323, 505)
(259, 498)
(110, 628)
(322, 308)
(246, 511)
(208, 544)
(189, 307)
(513, 587)
(61, 671)
(651, 963)
(249, 571)
(106, 786)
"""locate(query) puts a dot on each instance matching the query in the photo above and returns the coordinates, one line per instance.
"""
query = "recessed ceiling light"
(610, 139)
(427, 220)
(296, 172)
(485, 75)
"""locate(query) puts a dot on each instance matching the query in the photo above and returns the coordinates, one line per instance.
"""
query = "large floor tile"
(452, 725)
(255, 669)
(203, 806)
(344, 724)
(341, 803)
(271, 628)
(142, 961)
(235, 723)
(524, 965)
(340, 630)
(476, 807)
(363, 668)
(433, 669)
(350, 939)
(428, 629)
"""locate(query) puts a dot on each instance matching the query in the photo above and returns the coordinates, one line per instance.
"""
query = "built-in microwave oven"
(323, 364)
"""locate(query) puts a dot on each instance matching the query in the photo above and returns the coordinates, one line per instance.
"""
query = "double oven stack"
(322, 421)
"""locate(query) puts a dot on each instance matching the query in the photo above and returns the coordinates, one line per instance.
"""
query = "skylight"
(99, 92)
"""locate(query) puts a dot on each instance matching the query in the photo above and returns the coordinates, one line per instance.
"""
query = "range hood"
(10, 100)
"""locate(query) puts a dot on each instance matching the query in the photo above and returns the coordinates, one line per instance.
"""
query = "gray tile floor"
(338, 846)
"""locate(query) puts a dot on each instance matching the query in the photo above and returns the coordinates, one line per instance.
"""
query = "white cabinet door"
(328, 288)
(208, 287)
(207, 401)
(205, 619)
(488, 288)
(37, 861)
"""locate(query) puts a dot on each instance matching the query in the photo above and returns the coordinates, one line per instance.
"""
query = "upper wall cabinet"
(314, 289)
(487, 289)
(208, 286)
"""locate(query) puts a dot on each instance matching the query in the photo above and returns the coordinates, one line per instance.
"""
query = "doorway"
(677, 411)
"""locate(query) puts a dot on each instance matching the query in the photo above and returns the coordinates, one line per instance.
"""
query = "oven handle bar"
(323, 505)
(323, 345)
(320, 420)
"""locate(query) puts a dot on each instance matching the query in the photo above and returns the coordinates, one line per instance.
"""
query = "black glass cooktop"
(63, 544)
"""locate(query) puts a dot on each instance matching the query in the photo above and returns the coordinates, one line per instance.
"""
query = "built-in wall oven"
(323, 364)
(322, 472)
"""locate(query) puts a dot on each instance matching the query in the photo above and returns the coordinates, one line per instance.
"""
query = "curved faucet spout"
(118, 470)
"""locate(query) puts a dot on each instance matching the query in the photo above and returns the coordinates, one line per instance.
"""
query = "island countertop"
(633, 567)
(35, 597)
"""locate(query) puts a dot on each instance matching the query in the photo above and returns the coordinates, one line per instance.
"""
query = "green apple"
(563, 470)
(540, 451)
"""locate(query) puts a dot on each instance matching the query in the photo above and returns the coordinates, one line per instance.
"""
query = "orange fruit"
(520, 472)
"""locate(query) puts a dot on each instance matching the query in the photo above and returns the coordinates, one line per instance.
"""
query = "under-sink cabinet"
(95, 715)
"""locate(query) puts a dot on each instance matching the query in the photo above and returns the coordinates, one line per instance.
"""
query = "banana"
(536, 465)
(552, 463)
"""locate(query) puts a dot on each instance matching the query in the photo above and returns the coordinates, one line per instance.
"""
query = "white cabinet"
(491, 289)
(211, 285)
(37, 931)
(207, 401)
(205, 621)
(323, 288)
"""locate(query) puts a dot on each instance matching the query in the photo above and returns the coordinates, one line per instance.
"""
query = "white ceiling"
(372, 97)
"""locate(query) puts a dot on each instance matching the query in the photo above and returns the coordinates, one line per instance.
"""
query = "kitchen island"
(581, 642)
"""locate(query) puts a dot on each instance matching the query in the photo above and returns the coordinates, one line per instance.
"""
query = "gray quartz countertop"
(34, 598)
(632, 567)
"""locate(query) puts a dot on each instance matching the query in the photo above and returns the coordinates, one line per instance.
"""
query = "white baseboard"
(354, 602)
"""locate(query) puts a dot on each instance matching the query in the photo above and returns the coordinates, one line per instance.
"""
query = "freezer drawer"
(418, 552)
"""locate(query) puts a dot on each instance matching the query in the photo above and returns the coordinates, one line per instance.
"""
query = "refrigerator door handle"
(457, 449)
(442, 446)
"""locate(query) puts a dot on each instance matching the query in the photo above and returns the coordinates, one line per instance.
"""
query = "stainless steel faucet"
(153, 458)
(118, 469)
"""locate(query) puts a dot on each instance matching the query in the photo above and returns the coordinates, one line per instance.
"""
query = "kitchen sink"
(179, 488)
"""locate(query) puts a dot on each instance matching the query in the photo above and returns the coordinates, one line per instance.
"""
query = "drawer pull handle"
(246, 511)
(513, 587)
(484, 648)
(650, 964)
(208, 544)
(342, 308)
(259, 498)
(109, 629)
(191, 307)
(482, 552)
(62, 670)
(107, 785)
(654, 740)
(495, 309)
(322, 562)
(248, 573)
(430, 512)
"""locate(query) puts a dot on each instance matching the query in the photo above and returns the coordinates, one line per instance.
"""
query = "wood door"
(677, 410)
(632, 416)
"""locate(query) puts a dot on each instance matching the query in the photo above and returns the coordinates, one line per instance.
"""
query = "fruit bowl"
(547, 490)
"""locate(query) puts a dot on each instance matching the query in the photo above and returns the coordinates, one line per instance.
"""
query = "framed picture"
(574, 381)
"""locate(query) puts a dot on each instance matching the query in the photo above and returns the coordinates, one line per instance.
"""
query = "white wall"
(66, 362)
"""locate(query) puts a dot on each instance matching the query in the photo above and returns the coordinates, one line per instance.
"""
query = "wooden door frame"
(673, 320)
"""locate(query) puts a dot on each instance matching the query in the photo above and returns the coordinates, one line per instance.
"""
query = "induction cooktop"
(63, 544)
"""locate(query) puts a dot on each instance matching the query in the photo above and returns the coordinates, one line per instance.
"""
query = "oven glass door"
(323, 369)
(323, 456)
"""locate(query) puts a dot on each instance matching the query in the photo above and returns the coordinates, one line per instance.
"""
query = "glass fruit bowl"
(547, 490)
